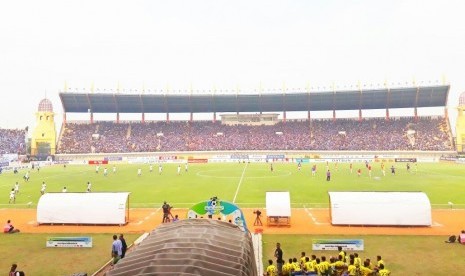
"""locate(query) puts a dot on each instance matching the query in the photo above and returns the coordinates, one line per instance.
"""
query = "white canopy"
(278, 204)
(83, 208)
(380, 208)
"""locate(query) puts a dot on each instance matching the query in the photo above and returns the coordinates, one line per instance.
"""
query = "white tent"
(278, 208)
(83, 208)
(278, 204)
(380, 208)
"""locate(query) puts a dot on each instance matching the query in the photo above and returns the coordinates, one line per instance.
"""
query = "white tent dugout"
(83, 208)
(380, 208)
(278, 204)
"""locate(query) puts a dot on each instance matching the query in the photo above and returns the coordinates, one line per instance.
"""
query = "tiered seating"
(12, 141)
(342, 134)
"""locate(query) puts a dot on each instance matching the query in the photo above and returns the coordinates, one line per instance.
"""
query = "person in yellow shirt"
(342, 253)
(340, 265)
(271, 269)
(370, 264)
(320, 270)
(332, 265)
(380, 261)
(382, 271)
(365, 270)
(313, 260)
(302, 259)
(297, 268)
(324, 265)
(352, 269)
(357, 260)
(287, 268)
(309, 267)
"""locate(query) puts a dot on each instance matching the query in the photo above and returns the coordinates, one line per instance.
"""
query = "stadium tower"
(460, 125)
(43, 141)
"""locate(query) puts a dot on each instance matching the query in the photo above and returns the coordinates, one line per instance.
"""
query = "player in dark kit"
(166, 212)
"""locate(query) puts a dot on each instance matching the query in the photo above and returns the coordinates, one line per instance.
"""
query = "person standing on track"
(166, 212)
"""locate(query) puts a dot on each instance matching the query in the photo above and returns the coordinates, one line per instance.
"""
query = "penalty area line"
(240, 182)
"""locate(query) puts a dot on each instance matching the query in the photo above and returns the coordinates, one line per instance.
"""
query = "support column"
(359, 115)
(415, 112)
(167, 117)
(284, 116)
(308, 115)
(143, 117)
(117, 118)
(387, 114)
(91, 117)
(334, 115)
(214, 117)
(192, 117)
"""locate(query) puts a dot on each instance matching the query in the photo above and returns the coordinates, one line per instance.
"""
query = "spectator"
(116, 249)
(14, 271)
(9, 228)
(124, 246)
(278, 254)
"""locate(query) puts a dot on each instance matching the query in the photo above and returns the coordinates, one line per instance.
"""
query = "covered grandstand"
(307, 134)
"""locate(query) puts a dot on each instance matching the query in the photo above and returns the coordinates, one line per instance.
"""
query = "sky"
(245, 45)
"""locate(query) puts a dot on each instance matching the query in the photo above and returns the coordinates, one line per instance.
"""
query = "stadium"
(240, 181)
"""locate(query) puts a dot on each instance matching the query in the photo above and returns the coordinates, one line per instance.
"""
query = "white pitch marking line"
(313, 218)
(240, 182)
(147, 217)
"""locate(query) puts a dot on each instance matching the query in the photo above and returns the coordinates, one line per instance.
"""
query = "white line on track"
(313, 218)
(240, 182)
(147, 217)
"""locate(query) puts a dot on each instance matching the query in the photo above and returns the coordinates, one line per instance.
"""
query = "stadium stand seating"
(12, 141)
(404, 133)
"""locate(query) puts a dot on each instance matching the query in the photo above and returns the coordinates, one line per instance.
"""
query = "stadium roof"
(409, 97)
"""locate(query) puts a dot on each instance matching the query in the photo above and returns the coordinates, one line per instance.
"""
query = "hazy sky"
(226, 44)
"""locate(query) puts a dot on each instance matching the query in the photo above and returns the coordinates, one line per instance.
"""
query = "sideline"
(240, 182)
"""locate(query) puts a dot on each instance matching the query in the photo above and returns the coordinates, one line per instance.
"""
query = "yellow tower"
(43, 140)
(460, 125)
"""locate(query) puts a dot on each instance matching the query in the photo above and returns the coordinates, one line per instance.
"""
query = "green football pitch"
(241, 183)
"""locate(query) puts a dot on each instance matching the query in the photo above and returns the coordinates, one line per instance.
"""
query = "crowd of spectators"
(12, 141)
(424, 133)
